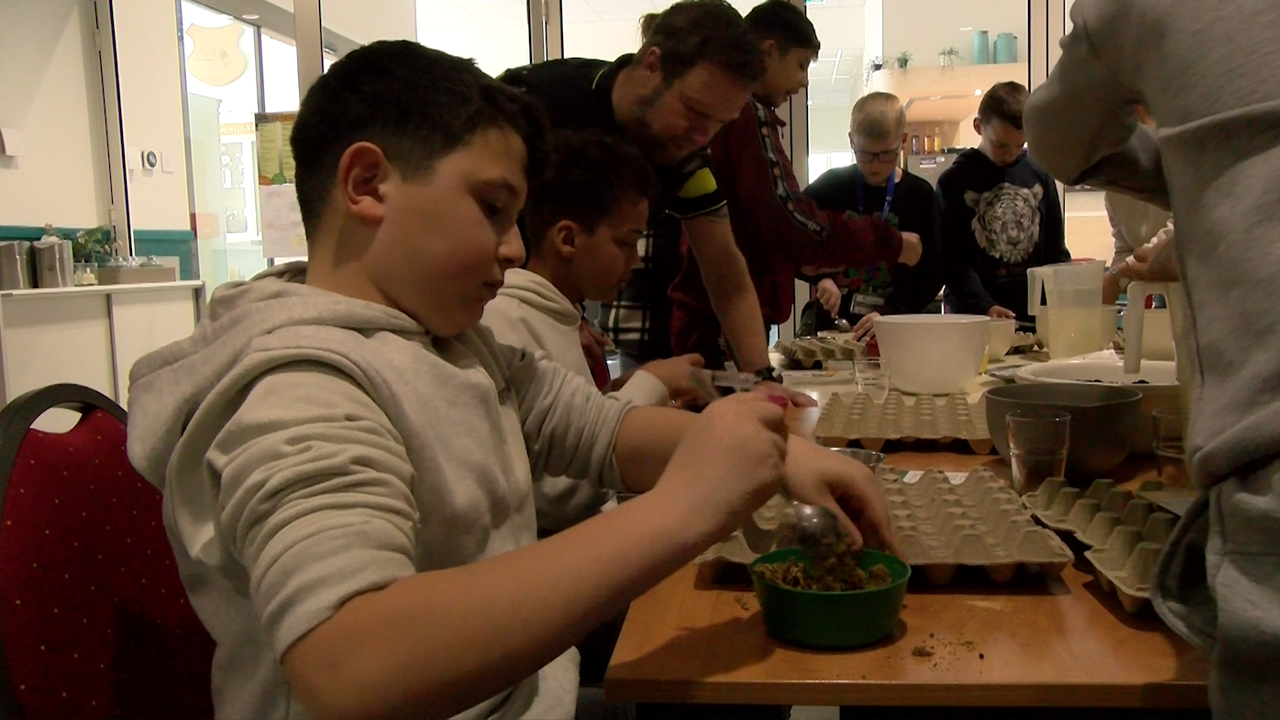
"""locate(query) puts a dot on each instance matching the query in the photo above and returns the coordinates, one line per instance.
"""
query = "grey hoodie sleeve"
(569, 427)
(314, 497)
(1081, 125)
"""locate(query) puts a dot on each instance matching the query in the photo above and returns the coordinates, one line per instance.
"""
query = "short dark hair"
(591, 174)
(783, 23)
(416, 104)
(1004, 102)
(691, 32)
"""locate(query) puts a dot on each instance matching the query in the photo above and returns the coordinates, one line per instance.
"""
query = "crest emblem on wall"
(216, 58)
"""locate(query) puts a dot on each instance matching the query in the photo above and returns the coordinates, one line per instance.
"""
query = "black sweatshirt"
(914, 209)
(996, 223)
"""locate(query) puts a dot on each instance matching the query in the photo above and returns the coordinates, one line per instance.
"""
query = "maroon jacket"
(777, 229)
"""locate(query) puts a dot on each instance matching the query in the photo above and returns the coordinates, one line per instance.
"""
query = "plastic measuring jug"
(1066, 300)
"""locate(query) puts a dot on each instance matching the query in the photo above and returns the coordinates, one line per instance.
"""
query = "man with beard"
(693, 74)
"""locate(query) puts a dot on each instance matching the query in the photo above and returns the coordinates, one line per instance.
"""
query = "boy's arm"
(1081, 125)
(315, 503)
(958, 248)
(799, 231)
(504, 319)
(915, 287)
(1122, 247)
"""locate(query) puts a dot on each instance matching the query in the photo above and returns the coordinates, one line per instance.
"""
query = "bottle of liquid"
(929, 140)
(937, 139)
(916, 147)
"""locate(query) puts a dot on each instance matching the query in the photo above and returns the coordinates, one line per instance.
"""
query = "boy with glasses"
(878, 187)
(1000, 214)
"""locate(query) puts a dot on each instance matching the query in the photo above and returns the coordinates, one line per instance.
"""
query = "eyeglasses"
(877, 157)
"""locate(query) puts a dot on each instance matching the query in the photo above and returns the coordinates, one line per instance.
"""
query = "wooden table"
(1032, 643)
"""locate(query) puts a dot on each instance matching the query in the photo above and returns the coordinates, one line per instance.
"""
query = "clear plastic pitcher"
(1073, 328)
(1066, 299)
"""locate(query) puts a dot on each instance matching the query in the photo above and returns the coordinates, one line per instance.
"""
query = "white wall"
(924, 27)
(150, 71)
(52, 93)
(364, 21)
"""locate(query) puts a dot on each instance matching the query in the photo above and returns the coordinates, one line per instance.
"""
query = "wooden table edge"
(1164, 695)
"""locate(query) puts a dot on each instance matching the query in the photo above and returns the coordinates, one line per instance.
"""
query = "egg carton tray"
(1024, 340)
(978, 522)
(1091, 516)
(1124, 533)
(857, 416)
(809, 351)
(940, 527)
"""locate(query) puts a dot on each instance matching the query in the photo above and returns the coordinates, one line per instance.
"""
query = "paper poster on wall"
(275, 158)
(282, 234)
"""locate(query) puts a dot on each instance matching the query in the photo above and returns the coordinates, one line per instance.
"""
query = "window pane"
(221, 66)
(863, 42)
(279, 73)
(495, 33)
(606, 29)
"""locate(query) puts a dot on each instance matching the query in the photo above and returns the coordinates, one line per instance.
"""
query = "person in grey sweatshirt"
(1207, 74)
(347, 457)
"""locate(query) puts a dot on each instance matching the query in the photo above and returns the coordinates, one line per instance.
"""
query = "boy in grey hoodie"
(1207, 74)
(583, 224)
(346, 457)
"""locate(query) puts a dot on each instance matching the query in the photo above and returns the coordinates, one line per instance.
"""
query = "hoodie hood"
(167, 386)
(538, 293)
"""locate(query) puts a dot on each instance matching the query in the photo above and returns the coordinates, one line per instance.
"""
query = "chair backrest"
(94, 620)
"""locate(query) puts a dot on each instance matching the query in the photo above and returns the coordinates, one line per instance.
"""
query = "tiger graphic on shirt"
(1006, 220)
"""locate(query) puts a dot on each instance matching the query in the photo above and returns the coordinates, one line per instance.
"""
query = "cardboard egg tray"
(856, 416)
(978, 522)
(809, 351)
(1124, 533)
(940, 527)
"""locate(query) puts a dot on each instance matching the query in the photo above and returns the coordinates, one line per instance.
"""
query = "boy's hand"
(1000, 313)
(675, 374)
(795, 397)
(866, 327)
(829, 296)
(912, 249)
(819, 476)
(729, 462)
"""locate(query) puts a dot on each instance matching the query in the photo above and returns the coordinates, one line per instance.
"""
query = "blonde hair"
(878, 117)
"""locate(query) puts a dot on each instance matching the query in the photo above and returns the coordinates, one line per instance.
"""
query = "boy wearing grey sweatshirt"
(1207, 73)
(346, 455)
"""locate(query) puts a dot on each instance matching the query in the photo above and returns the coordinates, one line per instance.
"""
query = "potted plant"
(874, 64)
(947, 57)
(88, 245)
(903, 60)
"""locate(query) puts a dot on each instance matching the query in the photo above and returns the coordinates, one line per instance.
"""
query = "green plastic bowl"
(832, 620)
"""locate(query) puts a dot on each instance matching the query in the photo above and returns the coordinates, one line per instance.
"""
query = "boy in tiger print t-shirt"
(1000, 214)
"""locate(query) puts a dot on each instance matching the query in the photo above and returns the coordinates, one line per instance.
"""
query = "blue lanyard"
(888, 194)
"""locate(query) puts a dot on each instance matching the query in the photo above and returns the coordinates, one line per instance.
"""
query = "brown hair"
(878, 116)
(783, 23)
(1004, 102)
(692, 32)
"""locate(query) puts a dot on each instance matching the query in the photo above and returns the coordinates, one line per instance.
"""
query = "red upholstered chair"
(93, 618)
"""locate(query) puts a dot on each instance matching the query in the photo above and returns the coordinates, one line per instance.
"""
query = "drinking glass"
(1038, 442)
(1168, 428)
(872, 378)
